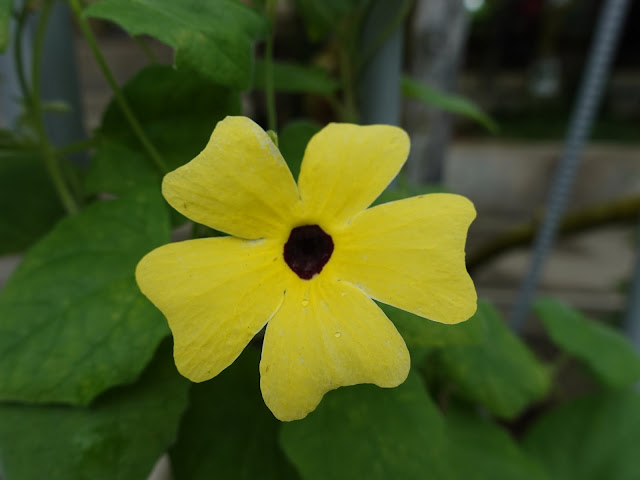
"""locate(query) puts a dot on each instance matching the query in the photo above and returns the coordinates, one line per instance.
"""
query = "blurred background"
(530, 108)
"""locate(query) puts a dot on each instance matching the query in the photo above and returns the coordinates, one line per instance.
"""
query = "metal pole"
(379, 93)
(596, 73)
(59, 78)
(632, 320)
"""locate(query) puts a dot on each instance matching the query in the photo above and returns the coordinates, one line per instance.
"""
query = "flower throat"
(308, 250)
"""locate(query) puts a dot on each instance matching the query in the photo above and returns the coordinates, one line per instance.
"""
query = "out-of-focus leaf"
(214, 37)
(293, 78)
(419, 332)
(322, 17)
(607, 353)
(482, 450)
(500, 373)
(293, 141)
(119, 437)
(73, 322)
(591, 438)
(370, 433)
(448, 102)
(5, 17)
(29, 204)
(178, 111)
(228, 432)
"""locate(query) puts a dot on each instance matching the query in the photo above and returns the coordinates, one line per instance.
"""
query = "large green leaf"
(119, 437)
(448, 102)
(481, 450)
(29, 204)
(214, 38)
(228, 432)
(419, 332)
(72, 320)
(592, 438)
(294, 78)
(370, 433)
(293, 141)
(5, 17)
(500, 373)
(607, 353)
(178, 111)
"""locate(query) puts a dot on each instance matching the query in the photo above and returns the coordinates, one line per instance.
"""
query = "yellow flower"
(306, 258)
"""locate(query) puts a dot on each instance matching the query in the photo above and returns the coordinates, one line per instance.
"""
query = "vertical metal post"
(59, 78)
(10, 94)
(379, 92)
(441, 28)
(596, 73)
(632, 320)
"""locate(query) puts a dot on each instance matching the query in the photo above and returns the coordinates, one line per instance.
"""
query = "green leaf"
(119, 437)
(322, 17)
(500, 373)
(592, 438)
(371, 433)
(5, 18)
(214, 38)
(448, 102)
(178, 111)
(419, 332)
(607, 353)
(294, 78)
(293, 140)
(481, 450)
(228, 432)
(29, 204)
(73, 322)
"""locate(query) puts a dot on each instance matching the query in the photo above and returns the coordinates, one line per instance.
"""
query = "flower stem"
(75, 147)
(146, 49)
(47, 150)
(269, 89)
(350, 111)
(17, 53)
(119, 97)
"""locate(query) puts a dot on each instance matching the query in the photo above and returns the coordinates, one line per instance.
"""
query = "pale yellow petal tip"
(296, 405)
(194, 367)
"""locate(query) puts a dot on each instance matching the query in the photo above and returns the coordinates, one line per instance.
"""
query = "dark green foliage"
(214, 38)
(604, 350)
(228, 432)
(500, 373)
(371, 433)
(591, 438)
(73, 320)
(178, 111)
(28, 201)
(119, 437)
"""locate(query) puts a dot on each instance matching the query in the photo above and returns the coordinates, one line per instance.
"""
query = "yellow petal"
(410, 254)
(325, 335)
(238, 184)
(216, 293)
(346, 167)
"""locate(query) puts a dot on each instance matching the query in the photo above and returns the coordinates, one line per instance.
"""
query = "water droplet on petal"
(305, 302)
(337, 334)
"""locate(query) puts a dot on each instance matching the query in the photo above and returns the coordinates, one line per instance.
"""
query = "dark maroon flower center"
(308, 250)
